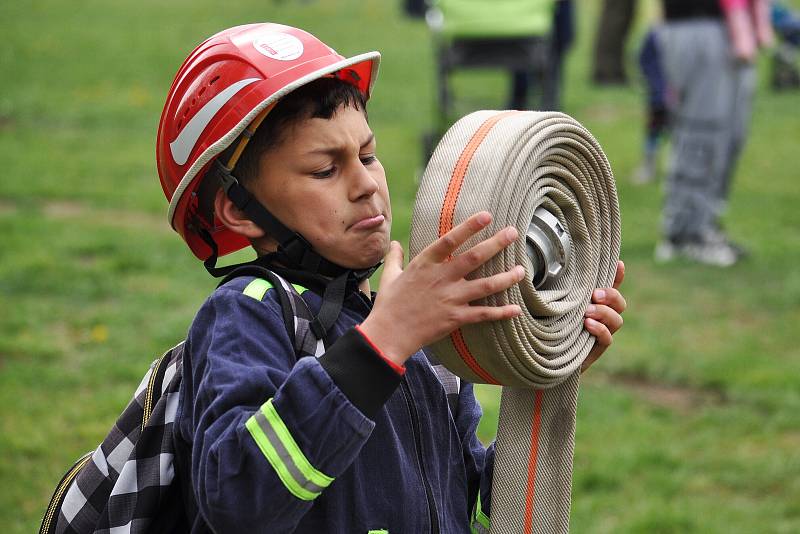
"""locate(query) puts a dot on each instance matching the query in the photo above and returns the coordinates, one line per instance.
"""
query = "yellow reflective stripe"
(480, 521)
(257, 288)
(300, 289)
(282, 452)
(280, 468)
(312, 474)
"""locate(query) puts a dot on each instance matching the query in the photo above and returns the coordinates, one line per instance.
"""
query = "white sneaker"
(719, 236)
(645, 173)
(665, 251)
(718, 254)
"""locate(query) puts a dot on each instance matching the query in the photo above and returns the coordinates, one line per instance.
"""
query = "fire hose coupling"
(548, 247)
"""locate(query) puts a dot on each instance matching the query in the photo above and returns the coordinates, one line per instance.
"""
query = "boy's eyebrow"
(339, 148)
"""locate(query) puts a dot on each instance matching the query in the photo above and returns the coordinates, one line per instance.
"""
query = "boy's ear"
(233, 218)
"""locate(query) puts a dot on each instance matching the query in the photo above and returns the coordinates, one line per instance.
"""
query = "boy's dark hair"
(318, 99)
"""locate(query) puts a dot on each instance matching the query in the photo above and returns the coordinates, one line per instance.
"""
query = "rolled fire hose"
(546, 175)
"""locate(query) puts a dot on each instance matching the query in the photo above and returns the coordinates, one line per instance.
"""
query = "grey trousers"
(710, 115)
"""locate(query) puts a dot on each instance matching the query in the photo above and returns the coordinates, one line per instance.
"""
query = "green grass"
(690, 422)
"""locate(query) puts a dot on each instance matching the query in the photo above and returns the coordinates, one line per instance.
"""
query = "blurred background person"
(562, 37)
(415, 8)
(657, 110)
(708, 49)
(786, 56)
(616, 18)
(526, 38)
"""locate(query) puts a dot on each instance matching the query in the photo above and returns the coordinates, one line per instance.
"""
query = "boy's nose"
(363, 183)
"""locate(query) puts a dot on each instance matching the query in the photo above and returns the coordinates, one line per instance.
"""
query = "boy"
(359, 438)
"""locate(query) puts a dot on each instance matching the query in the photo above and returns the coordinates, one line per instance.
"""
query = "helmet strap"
(293, 248)
(294, 254)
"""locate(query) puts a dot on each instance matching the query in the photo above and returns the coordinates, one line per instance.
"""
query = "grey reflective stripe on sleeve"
(284, 455)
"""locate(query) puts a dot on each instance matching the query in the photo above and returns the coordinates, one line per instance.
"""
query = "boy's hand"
(431, 297)
(603, 316)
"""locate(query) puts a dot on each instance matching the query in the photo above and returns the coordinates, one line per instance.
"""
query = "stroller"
(514, 35)
(786, 56)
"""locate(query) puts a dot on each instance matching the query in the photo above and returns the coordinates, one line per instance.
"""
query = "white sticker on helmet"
(280, 46)
(182, 146)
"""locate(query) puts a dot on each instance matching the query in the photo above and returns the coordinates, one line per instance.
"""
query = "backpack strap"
(306, 342)
(297, 316)
(450, 382)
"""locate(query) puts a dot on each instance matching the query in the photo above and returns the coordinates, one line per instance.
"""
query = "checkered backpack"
(127, 483)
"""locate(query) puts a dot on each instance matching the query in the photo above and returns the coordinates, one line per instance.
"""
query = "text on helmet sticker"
(280, 46)
(182, 146)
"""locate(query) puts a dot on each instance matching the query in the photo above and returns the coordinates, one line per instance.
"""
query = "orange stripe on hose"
(461, 346)
(535, 425)
(446, 224)
(460, 170)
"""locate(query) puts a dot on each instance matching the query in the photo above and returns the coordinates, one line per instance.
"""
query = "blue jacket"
(339, 443)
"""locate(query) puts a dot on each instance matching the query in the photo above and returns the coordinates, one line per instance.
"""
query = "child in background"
(708, 48)
(785, 68)
(657, 121)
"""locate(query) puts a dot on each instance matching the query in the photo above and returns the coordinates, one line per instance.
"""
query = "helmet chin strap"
(294, 253)
(293, 249)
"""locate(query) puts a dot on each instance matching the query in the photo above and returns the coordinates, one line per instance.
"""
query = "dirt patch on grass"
(677, 397)
(7, 207)
(127, 219)
(7, 122)
(64, 209)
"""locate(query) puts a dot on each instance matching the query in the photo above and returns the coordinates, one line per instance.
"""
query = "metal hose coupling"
(548, 247)
(546, 175)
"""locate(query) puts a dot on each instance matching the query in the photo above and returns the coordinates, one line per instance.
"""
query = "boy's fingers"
(610, 297)
(620, 275)
(486, 249)
(600, 331)
(605, 315)
(443, 248)
(479, 314)
(478, 289)
(393, 262)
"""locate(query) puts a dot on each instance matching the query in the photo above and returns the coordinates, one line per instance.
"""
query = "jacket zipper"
(412, 410)
(433, 515)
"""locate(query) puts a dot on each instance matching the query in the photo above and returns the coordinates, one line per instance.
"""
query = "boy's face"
(324, 181)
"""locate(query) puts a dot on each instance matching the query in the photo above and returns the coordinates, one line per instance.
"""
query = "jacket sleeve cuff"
(359, 370)
(399, 369)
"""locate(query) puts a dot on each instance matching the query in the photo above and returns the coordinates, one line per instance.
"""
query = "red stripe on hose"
(461, 346)
(446, 224)
(535, 425)
(460, 170)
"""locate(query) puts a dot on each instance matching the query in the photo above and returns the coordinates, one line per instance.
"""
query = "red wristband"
(399, 369)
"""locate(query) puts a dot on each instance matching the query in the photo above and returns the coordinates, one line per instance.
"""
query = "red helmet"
(224, 85)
